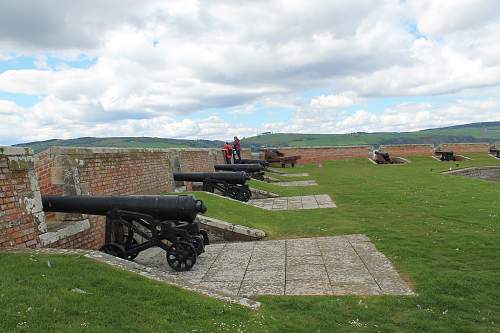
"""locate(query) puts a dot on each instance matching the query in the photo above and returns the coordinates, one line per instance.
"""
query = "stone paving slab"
(340, 265)
(292, 203)
(297, 183)
(303, 174)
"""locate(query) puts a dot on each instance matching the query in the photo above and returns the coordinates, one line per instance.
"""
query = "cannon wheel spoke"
(114, 249)
(181, 256)
(131, 256)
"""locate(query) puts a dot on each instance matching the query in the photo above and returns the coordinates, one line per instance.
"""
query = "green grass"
(442, 232)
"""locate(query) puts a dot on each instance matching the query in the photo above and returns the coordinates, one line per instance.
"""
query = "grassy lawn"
(442, 232)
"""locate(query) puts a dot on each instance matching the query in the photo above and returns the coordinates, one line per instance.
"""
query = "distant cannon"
(275, 156)
(137, 223)
(264, 163)
(446, 155)
(230, 184)
(382, 158)
(495, 151)
(255, 171)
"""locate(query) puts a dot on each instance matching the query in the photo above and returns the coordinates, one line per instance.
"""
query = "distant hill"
(122, 142)
(476, 132)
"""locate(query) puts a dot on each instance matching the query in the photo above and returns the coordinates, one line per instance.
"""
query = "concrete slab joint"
(340, 265)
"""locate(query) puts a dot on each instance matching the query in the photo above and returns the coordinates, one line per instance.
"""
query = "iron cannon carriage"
(275, 156)
(230, 184)
(255, 171)
(446, 155)
(137, 223)
(495, 151)
(382, 158)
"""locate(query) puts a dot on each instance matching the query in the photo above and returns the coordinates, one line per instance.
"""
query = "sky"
(215, 69)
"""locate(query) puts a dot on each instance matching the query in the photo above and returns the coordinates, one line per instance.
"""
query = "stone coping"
(321, 147)
(408, 145)
(15, 151)
(71, 229)
(115, 150)
(471, 168)
(231, 227)
(148, 272)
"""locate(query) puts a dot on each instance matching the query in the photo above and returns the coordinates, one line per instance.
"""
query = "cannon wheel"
(204, 234)
(246, 194)
(208, 187)
(181, 256)
(131, 256)
(114, 249)
(240, 194)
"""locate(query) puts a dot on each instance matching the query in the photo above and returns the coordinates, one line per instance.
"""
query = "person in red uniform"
(237, 149)
(228, 153)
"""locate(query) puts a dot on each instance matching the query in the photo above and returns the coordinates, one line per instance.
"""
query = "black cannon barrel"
(239, 167)
(251, 161)
(229, 177)
(162, 207)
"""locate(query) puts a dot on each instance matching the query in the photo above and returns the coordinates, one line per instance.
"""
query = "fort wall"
(24, 177)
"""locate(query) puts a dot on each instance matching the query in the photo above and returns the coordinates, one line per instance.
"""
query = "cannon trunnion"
(230, 184)
(137, 223)
(253, 170)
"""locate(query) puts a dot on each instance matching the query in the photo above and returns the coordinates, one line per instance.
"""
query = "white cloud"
(342, 100)
(156, 61)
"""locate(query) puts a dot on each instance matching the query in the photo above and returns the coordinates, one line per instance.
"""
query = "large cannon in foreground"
(264, 163)
(137, 223)
(230, 184)
(255, 171)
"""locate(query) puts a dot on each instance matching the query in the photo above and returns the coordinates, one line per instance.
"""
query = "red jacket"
(227, 150)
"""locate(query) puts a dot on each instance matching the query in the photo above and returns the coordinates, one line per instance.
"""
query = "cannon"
(275, 156)
(446, 155)
(230, 184)
(253, 170)
(264, 163)
(382, 158)
(495, 151)
(137, 223)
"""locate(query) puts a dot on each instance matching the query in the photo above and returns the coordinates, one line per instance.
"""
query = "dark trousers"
(238, 153)
(228, 159)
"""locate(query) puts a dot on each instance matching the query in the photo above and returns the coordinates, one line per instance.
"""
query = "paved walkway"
(292, 203)
(342, 265)
(303, 174)
(296, 183)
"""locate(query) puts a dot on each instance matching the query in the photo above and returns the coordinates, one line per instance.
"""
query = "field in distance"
(476, 132)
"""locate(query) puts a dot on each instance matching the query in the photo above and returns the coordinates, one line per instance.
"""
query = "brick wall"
(320, 154)
(21, 216)
(408, 150)
(466, 147)
(111, 171)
